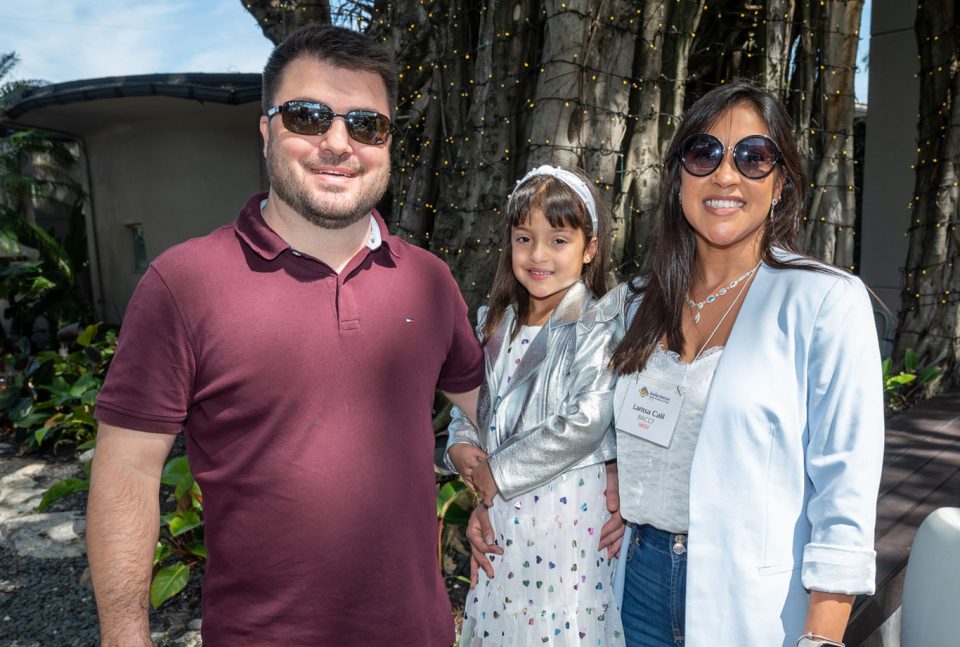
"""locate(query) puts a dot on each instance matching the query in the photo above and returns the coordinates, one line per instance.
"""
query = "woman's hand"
(483, 482)
(465, 457)
(612, 532)
(480, 534)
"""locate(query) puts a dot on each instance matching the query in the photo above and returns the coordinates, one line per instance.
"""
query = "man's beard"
(323, 208)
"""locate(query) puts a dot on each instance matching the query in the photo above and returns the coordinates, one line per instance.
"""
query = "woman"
(749, 406)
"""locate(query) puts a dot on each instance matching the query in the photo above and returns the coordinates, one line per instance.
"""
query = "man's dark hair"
(334, 46)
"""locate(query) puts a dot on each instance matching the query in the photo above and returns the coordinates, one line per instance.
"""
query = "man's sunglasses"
(754, 156)
(315, 118)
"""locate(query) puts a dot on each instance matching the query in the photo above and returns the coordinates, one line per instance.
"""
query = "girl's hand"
(480, 534)
(465, 457)
(483, 482)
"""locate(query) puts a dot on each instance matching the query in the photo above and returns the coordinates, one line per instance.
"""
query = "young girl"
(544, 416)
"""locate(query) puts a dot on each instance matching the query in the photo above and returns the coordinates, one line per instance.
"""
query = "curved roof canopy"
(80, 107)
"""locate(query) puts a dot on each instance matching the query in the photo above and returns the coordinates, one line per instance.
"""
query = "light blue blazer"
(786, 471)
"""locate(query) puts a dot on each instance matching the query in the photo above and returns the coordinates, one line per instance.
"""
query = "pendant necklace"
(681, 388)
(719, 293)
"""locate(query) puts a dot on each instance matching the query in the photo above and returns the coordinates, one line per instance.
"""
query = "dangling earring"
(773, 203)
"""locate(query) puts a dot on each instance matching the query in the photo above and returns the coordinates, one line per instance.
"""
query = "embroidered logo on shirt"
(408, 319)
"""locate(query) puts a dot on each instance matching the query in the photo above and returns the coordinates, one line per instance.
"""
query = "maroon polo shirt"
(305, 398)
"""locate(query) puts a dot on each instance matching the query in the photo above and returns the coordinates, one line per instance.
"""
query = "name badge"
(650, 409)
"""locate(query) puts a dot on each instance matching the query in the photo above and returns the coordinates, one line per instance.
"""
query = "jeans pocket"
(632, 545)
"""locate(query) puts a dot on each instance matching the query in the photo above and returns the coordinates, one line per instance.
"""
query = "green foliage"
(168, 581)
(180, 545)
(906, 387)
(61, 489)
(49, 396)
(454, 504)
(40, 276)
(43, 283)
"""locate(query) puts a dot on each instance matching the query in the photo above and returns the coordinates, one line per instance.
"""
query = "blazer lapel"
(531, 359)
(568, 312)
(739, 344)
(494, 348)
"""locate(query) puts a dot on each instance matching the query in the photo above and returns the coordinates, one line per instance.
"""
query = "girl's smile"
(547, 261)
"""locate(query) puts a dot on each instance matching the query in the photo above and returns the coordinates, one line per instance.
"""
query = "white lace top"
(515, 352)
(655, 480)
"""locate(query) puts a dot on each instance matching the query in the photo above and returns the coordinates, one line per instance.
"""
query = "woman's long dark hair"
(669, 271)
(562, 207)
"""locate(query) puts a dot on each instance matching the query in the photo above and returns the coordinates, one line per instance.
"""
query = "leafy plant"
(454, 503)
(906, 387)
(49, 396)
(41, 277)
(180, 545)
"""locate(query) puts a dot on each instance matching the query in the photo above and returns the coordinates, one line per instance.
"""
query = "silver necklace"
(719, 293)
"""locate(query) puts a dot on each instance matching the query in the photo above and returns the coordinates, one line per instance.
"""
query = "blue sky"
(860, 84)
(65, 40)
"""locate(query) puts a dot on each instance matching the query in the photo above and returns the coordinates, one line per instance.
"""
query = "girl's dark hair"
(666, 282)
(562, 207)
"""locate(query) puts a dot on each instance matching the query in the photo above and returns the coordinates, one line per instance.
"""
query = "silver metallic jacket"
(557, 412)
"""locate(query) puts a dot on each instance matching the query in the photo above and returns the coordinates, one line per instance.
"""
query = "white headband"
(571, 180)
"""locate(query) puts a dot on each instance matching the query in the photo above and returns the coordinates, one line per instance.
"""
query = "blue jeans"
(655, 588)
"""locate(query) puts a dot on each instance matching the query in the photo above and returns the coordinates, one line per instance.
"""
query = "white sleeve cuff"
(839, 569)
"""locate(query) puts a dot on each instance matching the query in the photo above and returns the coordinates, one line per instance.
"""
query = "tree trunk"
(929, 317)
(490, 89)
(828, 232)
(652, 124)
(277, 18)
(581, 114)
(779, 40)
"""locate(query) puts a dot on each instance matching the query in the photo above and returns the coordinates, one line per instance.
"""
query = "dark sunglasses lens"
(306, 119)
(368, 127)
(701, 154)
(755, 157)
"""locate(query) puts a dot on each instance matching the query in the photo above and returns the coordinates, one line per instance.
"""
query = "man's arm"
(467, 402)
(123, 520)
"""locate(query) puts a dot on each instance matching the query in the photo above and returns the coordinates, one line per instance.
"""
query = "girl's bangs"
(558, 203)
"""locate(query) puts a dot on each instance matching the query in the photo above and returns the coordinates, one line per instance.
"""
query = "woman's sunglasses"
(315, 118)
(754, 156)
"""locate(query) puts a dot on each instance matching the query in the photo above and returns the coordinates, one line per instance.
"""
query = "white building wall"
(177, 177)
(890, 147)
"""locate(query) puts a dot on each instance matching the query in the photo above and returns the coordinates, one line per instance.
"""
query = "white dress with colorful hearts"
(551, 586)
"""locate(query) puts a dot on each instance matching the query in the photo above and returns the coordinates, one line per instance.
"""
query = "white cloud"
(69, 40)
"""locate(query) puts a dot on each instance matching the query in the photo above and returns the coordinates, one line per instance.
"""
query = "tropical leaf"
(175, 470)
(168, 582)
(88, 334)
(61, 489)
(184, 522)
(910, 360)
(161, 552)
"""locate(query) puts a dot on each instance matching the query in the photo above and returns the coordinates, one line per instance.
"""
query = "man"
(299, 350)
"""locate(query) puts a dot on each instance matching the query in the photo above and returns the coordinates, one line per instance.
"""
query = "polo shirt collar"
(266, 243)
